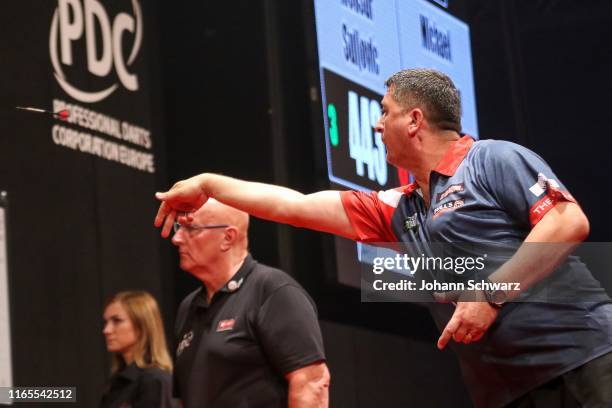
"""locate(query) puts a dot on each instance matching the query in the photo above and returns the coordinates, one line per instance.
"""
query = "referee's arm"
(309, 386)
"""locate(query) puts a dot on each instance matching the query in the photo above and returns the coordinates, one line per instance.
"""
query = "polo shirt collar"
(408, 189)
(450, 161)
(454, 156)
(236, 281)
(233, 285)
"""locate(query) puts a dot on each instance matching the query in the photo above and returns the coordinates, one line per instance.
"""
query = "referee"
(249, 336)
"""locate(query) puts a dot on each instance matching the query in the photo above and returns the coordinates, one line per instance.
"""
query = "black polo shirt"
(235, 352)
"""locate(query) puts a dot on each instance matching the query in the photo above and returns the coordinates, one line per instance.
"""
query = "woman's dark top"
(135, 387)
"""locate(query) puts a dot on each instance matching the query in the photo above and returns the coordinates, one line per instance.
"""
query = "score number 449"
(365, 145)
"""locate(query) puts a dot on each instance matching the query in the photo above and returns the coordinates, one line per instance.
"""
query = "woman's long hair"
(150, 349)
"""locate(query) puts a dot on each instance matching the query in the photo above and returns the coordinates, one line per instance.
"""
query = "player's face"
(393, 125)
(199, 247)
(118, 330)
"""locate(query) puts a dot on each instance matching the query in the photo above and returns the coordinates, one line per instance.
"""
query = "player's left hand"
(469, 323)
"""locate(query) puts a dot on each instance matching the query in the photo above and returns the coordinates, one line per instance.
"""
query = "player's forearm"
(270, 202)
(321, 211)
(545, 248)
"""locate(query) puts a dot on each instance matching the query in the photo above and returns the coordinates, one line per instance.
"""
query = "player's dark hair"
(432, 91)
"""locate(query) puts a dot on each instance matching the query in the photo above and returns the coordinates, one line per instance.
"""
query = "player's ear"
(415, 119)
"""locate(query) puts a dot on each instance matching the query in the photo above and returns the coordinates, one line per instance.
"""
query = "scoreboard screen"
(360, 44)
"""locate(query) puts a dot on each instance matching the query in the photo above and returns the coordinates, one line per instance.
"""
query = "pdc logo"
(79, 25)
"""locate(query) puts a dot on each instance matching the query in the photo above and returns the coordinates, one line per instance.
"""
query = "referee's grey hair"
(430, 90)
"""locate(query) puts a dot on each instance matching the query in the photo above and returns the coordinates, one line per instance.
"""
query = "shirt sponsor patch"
(540, 209)
(446, 207)
(411, 223)
(184, 343)
(225, 325)
(552, 197)
(455, 188)
(542, 184)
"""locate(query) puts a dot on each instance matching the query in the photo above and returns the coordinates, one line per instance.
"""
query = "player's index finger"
(161, 214)
(168, 224)
(448, 332)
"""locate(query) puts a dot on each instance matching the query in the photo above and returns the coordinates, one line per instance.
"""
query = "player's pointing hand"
(184, 196)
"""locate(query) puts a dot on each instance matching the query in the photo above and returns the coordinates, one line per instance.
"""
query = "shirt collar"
(408, 189)
(233, 285)
(450, 162)
(454, 156)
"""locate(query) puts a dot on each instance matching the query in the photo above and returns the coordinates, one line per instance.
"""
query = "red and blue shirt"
(484, 192)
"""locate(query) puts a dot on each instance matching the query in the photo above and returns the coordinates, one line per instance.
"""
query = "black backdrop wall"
(227, 84)
(80, 191)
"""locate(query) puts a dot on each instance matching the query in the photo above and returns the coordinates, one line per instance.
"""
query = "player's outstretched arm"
(321, 211)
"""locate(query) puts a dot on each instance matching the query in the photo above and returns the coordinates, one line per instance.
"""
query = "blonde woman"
(141, 364)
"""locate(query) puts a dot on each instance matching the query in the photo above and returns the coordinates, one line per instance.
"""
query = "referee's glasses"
(190, 228)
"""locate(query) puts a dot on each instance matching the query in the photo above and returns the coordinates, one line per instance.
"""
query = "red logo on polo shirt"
(455, 188)
(446, 207)
(539, 209)
(225, 325)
